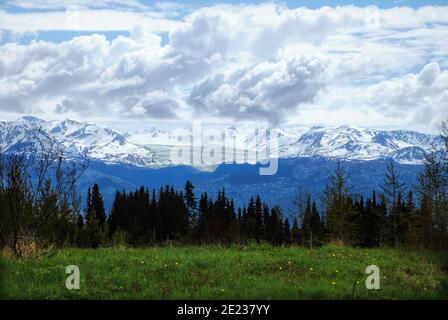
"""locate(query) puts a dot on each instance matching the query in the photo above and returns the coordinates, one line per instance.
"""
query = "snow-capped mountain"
(127, 160)
(349, 142)
(78, 138)
(20, 135)
(355, 143)
(151, 148)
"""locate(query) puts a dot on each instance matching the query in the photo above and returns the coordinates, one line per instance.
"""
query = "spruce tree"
(191, 202)
(354, 222)
(393, 190)
(267, 233)
(251, 220)
(392, 185)
(203, 218)
(258, 219)
(307, 227)
(337, 204)
(316, 225)
(89, 212)
(154, 217)
(433, 193)
(97, 205)
(382, 227)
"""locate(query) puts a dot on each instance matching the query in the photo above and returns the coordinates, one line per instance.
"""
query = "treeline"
(400, 215)
(145, 217)
(392, 218)
(40, 208)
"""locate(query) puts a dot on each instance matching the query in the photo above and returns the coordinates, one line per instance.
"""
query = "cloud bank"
(241, 62)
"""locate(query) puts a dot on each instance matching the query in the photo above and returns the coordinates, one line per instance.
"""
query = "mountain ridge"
(150, 148)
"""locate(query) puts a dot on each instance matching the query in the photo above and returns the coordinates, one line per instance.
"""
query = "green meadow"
(251, 272)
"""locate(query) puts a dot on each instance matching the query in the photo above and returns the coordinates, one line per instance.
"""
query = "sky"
(131, 64)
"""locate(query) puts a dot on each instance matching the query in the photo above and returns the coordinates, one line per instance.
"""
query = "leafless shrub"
(39, 203)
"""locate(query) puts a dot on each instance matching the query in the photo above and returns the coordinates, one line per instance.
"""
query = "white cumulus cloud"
(243, 62)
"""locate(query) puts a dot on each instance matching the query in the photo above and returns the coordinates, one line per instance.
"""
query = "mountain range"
(149, 148)
(307, 155)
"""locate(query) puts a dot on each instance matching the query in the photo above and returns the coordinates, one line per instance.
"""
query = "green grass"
(253, 272)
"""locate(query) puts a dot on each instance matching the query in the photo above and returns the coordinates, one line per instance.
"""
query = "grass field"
(254, 272)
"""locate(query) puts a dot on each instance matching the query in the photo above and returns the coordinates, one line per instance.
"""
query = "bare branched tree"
(39, 203)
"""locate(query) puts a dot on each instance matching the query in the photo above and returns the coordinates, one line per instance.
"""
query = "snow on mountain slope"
(151, 148)
(21, 135)
(78, 138)
(100, 143)
(349, 142)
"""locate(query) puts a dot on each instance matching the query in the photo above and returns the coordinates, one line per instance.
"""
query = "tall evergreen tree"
(191, 202)
(392, 185)
(89, 212)
(316, 225)
(97, 205)
(258, 218)
(393, 190)
(354, 222)
(337, 203)
(433, 194)
(307, 224)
